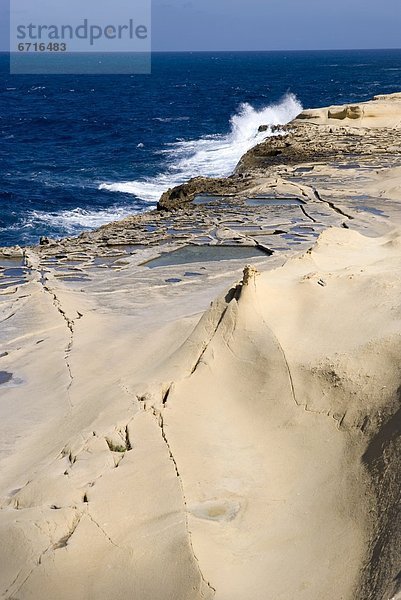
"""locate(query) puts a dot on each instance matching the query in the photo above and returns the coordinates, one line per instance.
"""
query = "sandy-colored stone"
(158, 443)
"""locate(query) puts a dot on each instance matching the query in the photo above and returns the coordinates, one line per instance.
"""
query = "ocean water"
(79, 151)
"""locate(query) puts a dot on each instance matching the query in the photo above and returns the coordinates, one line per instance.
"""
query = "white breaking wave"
(212, 155)
(72, 221)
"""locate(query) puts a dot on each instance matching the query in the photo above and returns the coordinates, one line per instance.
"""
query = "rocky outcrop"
(185, 193)
(366, 131)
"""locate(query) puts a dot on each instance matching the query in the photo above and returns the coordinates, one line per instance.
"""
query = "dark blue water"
(78, 151)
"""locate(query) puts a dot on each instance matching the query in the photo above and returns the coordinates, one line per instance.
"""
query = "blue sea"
(79, 151)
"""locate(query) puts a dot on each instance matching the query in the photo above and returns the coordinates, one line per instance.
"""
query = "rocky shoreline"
(310, 161)
(157, 442)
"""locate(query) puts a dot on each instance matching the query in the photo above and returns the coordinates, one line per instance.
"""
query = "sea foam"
(71, 222)
(212, 155)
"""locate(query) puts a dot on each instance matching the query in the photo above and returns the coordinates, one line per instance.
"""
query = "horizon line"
(243, 51)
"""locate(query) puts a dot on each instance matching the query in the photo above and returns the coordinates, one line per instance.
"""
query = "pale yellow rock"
(383, 111)
(235, 436)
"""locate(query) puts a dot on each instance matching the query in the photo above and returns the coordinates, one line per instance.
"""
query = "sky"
(182, 25)
(276, 24)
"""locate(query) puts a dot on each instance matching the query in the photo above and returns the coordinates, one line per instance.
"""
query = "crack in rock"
(332, 205)
(102, 530)
(70, 325)
(302, 207)
(160, 421)
(63, 542)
